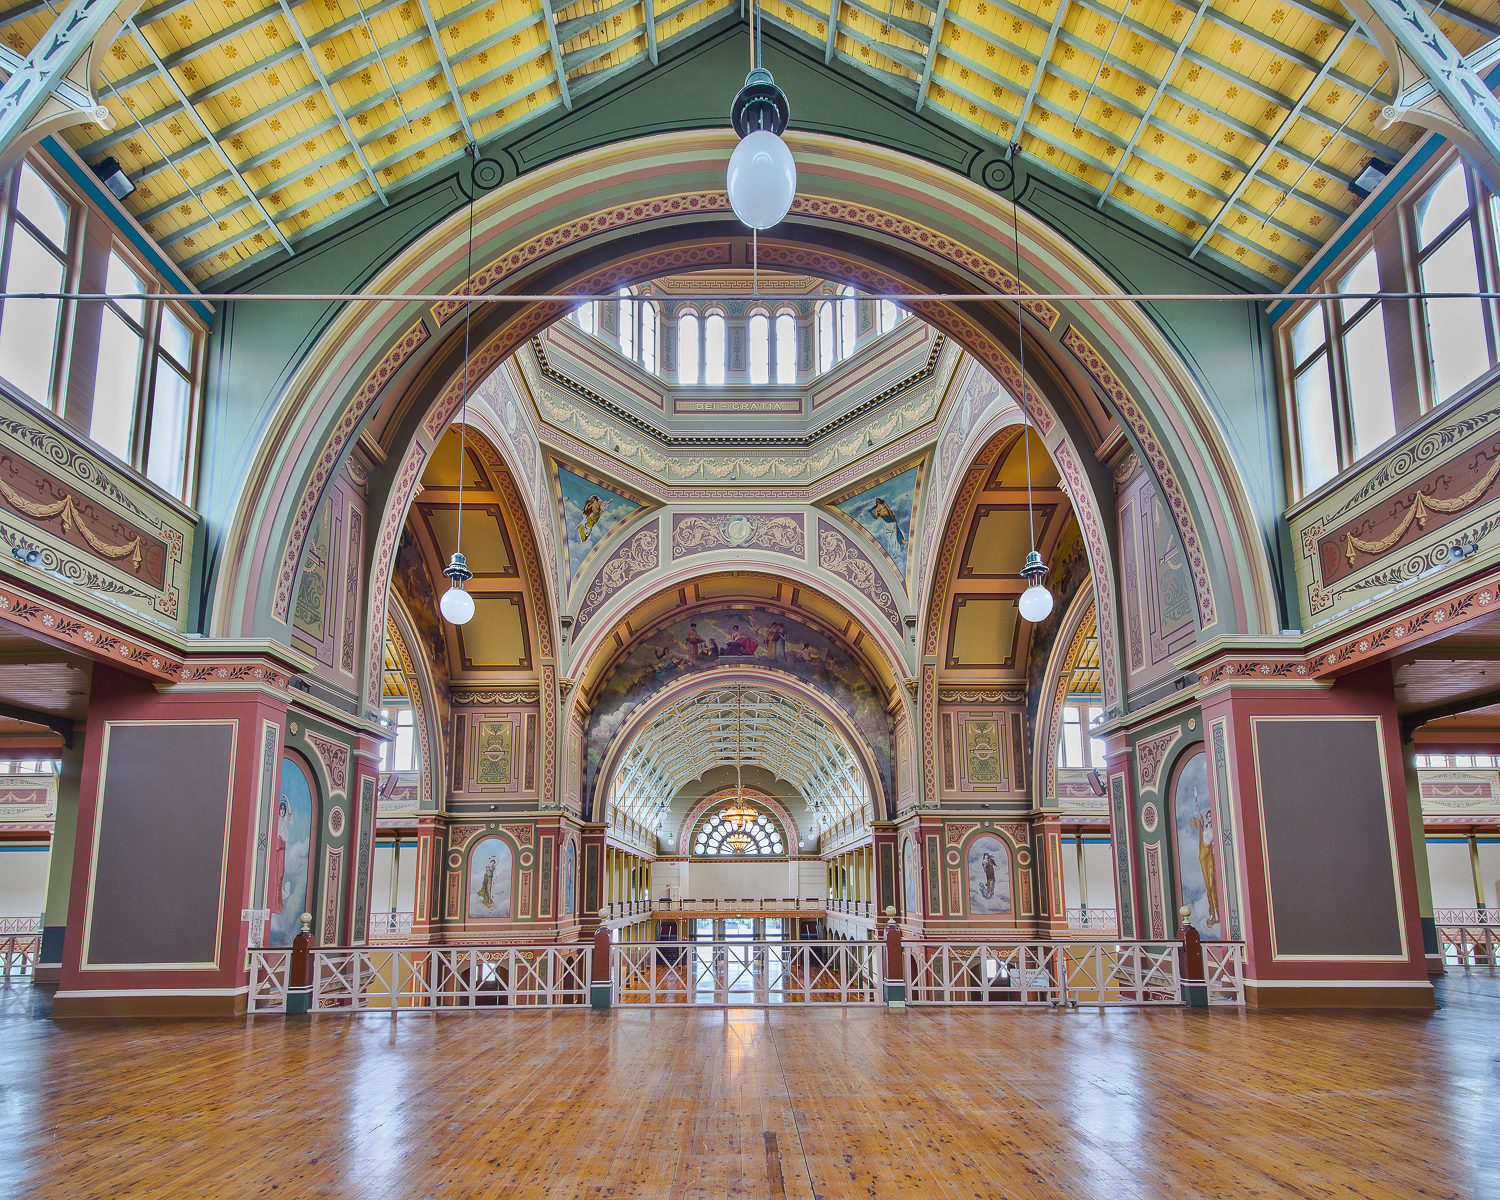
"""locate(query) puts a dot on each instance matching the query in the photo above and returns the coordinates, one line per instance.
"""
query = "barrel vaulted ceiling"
(1236, 125)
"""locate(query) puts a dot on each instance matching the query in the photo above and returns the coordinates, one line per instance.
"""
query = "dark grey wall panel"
(1327, 837)
(159, 861)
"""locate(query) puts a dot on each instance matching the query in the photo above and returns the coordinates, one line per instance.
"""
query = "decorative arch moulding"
(78, 628)
(348, 426)
(1135, 419)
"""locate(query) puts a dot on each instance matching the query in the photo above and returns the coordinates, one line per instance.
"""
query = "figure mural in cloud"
(277, 882)
(593, 509)
(882, 511)
(1203, 826)
(987, 888)
(487, 884)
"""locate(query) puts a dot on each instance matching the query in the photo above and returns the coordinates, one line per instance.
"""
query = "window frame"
(56, 400)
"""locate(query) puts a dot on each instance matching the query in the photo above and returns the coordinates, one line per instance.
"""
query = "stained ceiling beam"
(458, 98)
(557, 54)
(1041, 67)
(1270, 147)
(62, 726)
(932, 49)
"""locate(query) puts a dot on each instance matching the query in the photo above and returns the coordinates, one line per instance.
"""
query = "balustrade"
(9, 925)
(1102, 920)
(18, 955)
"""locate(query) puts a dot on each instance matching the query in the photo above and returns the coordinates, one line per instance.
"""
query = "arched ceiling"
(750, 725)
(1230, 125)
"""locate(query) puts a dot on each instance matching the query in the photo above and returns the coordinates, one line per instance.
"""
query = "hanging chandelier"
(762, 179)
(739, 842)
(457, 605)
(739, 815)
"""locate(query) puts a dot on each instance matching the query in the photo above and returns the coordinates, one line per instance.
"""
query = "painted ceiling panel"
(1233, 125)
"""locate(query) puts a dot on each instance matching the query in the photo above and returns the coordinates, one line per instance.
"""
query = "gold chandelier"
(739, 815)
(738, 842)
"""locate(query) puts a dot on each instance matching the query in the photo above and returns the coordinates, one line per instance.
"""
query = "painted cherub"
(593, 509)
(882, 511)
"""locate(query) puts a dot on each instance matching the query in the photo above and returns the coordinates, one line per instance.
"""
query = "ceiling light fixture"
(457, 605)
(762, 177)
(1036, 600)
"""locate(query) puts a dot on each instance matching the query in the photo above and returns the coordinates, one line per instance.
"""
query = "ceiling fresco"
(1232, 126)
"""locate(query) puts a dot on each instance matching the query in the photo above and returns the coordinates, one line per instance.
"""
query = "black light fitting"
(113, 177)
(760, 104)
(1369, 178)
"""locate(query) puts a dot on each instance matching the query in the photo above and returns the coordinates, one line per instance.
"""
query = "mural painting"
(570, 875)
(884, 512)
(489, 879)
(1197, 847)
(989, 877)
(291, 841)
(736, 637)
(492, 754)
(982, 750)
(911, 875)
(590, 510)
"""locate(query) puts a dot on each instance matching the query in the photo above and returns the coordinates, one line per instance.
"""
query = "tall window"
(848, 323)
(627, 325)
(826, 345)
(1460, 337)
(648, 336)
(1313, 389)
(687, 348)
(889, 315)
(760, 348)
(1076, 749)
(171, 407)
(584, 316)
(122, 345)
(35, 260)
(401, 751)
(786, 348)
(1372, 412)
(714, 348)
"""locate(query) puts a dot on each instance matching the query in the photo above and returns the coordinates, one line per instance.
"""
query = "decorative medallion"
(336, 820)
(1023, 858)
(527, 858)
(455, 860)
(1148, 817)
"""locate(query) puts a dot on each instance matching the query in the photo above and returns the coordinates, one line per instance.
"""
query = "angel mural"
(882, 511)
(489, 879)
(1197, 847)
(593, 509)
(989, 877)
(287, 890)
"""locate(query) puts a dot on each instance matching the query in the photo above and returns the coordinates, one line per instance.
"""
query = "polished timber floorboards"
(705, 1104)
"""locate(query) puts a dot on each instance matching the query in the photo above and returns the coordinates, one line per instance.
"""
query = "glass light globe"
(762, 179)
(1036, 603)
(458, 605)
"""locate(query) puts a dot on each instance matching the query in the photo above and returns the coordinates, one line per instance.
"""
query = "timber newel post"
(895, 965)
(299, 975)
(601, 987)
(1194, 983)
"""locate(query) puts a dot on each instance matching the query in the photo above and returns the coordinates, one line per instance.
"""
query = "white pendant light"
(1036, 601)
(762, 177)
(457, 605)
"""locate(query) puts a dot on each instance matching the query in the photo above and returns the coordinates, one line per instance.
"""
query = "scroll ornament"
(67, 508)
(1421, 502)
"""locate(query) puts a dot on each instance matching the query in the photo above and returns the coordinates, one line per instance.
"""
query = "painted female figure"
(278, 859)
(987, 889)
(486, 888)
(1203, 826)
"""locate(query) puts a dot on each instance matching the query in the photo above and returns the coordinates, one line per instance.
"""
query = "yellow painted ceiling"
(1237, 124)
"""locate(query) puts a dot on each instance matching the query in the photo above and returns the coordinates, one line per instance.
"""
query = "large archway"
(629, 212)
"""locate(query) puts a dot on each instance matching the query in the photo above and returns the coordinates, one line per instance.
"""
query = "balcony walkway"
(861, 1102)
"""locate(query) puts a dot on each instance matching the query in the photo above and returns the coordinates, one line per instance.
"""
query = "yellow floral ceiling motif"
(1237, 125)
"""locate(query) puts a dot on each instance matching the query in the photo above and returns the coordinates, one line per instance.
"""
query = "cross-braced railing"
(747, 974)
(1469, 945)
(1224, 972)
(1042, 973)
(1466, 916)
(18, 955)
(415, 978)
(10, 925)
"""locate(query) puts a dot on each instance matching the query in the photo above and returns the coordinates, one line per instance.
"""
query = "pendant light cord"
(463, 429)
(1015, 217)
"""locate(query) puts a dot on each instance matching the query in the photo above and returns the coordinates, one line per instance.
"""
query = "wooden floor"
(825, 1103)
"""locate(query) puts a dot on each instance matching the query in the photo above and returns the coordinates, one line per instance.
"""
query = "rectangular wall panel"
(1330, 850)
(160, 838)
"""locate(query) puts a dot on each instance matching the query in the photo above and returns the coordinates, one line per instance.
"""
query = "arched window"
(786, 348)
(648, 336)
(627, 325)
(687, 348)
(889, 315)
(825, 335)
(584, 315)
(760, 348)
(722, 834)
(714, 348)
(848, 323)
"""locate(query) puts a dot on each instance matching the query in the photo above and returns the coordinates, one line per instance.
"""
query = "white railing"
(1466, 916)
(18, 955)
(1224, 972)
(390, 925)
(430, 978)
(10, 925)
(853, 908)
(1469, 945)
(747, 974)
(1042, 973)
(723, 905)
(1103, 920)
